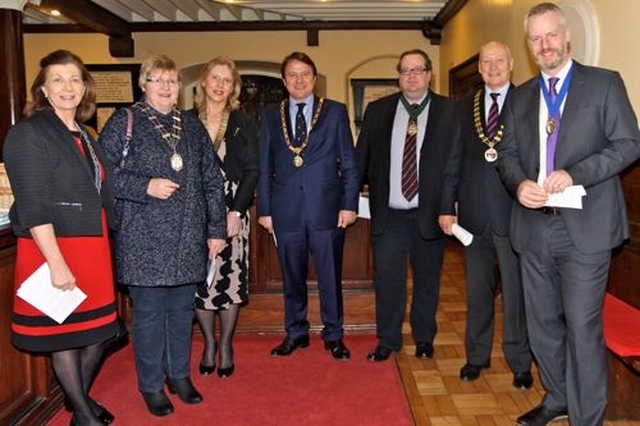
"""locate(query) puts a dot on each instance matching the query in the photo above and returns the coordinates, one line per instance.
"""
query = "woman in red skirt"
(63, 203)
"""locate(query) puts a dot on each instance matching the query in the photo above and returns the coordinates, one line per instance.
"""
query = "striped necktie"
(493, 117)
(409, 181)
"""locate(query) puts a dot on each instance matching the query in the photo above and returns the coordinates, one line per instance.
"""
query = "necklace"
(297, 150)
(172, 139)
(490, 154)
(222, 129)
(92, 154)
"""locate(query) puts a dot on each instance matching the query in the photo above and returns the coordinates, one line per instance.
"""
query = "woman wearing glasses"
(235, 140)
(170, 220)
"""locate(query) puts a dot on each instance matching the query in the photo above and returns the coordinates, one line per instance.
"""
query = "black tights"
(75, 370)
(228, 321)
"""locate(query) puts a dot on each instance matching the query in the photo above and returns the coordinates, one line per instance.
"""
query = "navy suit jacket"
(327, 182)
(598, 139)
(472, 181)
(374, 160)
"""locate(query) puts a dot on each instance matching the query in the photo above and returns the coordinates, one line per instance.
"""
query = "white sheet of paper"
(570, 198)
(363, 207)
(275, 240)
(464, 236)
(211, 273)
(51, 301)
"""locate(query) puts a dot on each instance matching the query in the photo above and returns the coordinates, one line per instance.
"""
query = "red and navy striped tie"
(409, 180)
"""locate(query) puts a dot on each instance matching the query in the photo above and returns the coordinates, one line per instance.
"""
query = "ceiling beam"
(100, 20)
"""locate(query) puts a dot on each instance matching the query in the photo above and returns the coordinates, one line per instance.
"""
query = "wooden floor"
(436, 394)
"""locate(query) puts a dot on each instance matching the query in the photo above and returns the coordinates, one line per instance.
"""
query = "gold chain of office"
(297, 150)
(477, 121)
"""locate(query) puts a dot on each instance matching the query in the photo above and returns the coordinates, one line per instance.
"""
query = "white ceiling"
(237, 11)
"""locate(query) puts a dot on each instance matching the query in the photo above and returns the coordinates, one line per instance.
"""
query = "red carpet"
(307, 388)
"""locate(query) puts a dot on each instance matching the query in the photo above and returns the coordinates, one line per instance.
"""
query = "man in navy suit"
(484, 209)
(402, 151)
(585, 134)
(307, 196)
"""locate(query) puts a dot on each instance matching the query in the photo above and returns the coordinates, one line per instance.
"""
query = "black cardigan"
(51, 180)
(241, 159)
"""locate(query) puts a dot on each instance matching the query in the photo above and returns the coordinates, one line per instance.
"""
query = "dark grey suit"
(565, 259)
(484, 209)
(415, 233)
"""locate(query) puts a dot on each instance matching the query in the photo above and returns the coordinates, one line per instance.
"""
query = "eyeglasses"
(163, 82)
(220, 79)
(413, 71)
(306, 75)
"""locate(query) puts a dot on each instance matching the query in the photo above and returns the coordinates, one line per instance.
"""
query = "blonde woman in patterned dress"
(235, 140)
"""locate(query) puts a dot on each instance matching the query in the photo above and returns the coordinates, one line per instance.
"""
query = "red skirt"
(93, 321)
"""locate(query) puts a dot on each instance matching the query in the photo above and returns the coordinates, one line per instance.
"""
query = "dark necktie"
(552, 138)
(494, 115)
(301, 126)
(409, 182)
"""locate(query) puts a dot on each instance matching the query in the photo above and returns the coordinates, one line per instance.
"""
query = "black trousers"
(401, 240)
(480, 262)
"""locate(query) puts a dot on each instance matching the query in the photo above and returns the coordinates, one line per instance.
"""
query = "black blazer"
(472, 181)
(373, 156)
(51, 180)
(240, 163)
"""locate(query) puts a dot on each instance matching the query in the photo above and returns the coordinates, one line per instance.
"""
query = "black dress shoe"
(424, 350)
(540, 416)
(380, 353)
(522, 380)
(157, 403)
(338, 349)
(470, 372)
(226, 372)
(289, 345)
(185, 390)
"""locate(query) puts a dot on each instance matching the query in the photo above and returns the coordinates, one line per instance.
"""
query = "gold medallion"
(551, 126)
(412, 129)
(491, 155)
(297, 161)
(176, 162)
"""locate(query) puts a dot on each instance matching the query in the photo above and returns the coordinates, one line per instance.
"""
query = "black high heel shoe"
(206, 370)
(104, 415)
(99, 410)
(226, 372)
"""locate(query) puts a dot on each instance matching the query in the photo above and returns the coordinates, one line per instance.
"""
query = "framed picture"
(116, 87)
(366, 90)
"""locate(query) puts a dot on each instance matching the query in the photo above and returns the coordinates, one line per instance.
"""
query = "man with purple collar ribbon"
(565, 253)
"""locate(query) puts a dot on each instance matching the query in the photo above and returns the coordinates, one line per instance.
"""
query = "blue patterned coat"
(163, 242)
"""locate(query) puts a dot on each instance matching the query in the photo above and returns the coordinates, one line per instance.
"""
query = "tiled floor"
(436, 394)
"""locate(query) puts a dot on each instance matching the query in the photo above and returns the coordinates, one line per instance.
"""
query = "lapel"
(62, 136)
(575, 97)
(432, 119)
(287, 120)
(530, 102)
(388, 114)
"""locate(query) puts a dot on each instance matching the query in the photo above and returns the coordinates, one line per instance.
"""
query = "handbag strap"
(127, 137)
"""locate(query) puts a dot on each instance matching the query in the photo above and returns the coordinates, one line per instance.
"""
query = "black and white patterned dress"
(230, 285)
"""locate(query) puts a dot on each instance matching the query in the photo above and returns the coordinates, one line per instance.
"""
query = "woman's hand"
(234, 223)
(45, 238)
(162, 188)
(61, 276)
(215, 247)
